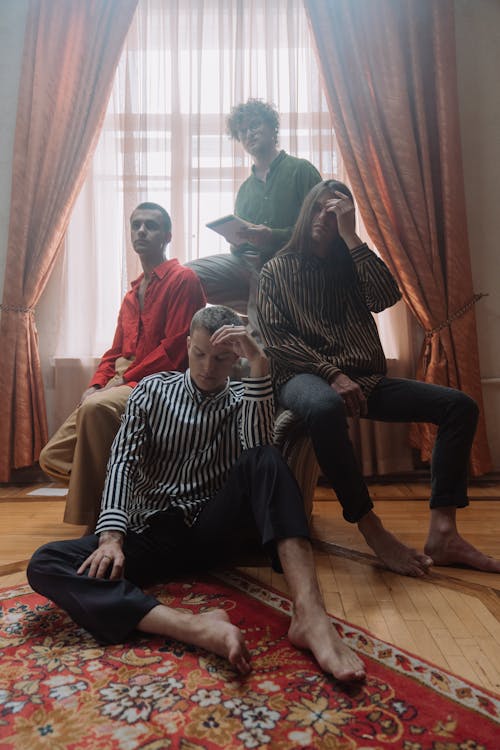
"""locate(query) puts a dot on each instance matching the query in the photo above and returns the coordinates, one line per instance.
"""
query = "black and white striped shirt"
(176, 446)
(314, 322)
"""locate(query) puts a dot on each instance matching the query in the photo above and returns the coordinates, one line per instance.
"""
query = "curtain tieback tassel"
(457, 314)
(17, 309)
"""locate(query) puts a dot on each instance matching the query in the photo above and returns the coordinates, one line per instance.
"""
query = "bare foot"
(314, 631)
(452, 549)
(214, 632)
(394, 554)
(209, 630)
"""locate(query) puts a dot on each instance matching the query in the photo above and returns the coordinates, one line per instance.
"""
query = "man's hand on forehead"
(239, 339)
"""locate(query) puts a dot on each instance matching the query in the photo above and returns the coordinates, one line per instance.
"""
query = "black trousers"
(260, 502)
(392, 400)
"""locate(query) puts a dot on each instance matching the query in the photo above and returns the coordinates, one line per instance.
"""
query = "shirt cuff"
(258, 388)
(361, 253)
(328, 372)
(112, 520)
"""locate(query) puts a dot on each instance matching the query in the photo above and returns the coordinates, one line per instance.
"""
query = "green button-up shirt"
(277, 201)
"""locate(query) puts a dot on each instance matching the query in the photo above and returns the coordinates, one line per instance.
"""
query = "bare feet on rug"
(219, 635)
(211, 630)
(394, 554)
(446, 546)
(313, 630)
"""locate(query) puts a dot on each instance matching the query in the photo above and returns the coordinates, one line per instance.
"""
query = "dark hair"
(252, 109)
(301, 239)
(213, 317)
(167, 221)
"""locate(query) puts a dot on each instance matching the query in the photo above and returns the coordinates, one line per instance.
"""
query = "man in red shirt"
(150, 337)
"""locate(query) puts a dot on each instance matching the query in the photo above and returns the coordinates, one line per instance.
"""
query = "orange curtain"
(389, 71)
(70, 55)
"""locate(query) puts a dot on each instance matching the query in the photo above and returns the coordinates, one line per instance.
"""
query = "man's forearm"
(259, 366)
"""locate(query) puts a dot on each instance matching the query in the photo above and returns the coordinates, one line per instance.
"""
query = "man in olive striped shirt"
(315, 305)
(192, 478)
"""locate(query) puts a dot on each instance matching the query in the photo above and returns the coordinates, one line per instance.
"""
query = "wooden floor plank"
(451, 617)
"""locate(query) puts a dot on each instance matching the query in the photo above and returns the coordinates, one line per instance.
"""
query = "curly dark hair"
(253, 109)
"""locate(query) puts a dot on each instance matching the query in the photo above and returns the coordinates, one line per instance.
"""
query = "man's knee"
(99, 410)
(465, 409)
(56, 461)
(329, 412)
(42, 561)
(44, 458)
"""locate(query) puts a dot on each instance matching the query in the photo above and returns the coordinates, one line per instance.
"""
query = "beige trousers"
(78, 452)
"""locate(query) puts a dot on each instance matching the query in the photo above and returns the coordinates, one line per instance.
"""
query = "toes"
(241, 664)
(350, 675)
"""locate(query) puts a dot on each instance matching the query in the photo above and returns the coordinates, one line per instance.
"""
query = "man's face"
(210, 366)
(147, 232)
(324, 228)
(256, 136)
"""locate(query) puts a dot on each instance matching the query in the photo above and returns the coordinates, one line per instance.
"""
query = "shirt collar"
(199, 396)
(274, 163)
(159, 271)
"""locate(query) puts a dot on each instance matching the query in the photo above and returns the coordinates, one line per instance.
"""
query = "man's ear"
(188, 343)
(168, 237)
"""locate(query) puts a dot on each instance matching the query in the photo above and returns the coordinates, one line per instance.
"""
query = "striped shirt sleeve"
(128, 450)
(377, 284)
(256, 419)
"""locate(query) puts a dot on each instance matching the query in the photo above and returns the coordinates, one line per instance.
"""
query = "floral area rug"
(60, 690)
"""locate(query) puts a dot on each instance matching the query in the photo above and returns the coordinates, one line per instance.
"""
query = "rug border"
(270, 596)
(242, 581)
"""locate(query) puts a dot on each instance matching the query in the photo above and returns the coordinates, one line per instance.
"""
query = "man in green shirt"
(270, 199)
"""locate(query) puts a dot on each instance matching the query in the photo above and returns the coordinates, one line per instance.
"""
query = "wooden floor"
(452, 618)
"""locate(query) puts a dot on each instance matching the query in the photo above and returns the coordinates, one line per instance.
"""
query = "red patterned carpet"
(60, 690)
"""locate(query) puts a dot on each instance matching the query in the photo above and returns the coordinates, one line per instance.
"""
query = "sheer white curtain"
(184, 65)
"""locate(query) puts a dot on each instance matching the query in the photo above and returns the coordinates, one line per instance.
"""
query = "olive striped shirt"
(312, 321)
(176, 446)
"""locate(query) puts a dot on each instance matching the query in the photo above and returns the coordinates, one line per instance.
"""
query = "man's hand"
(343, 208)
(108, 554)
(354, 400)
(244, 345)
(257, 235)
(89, 392)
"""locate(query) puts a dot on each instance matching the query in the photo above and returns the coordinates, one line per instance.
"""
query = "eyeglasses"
(249, 127)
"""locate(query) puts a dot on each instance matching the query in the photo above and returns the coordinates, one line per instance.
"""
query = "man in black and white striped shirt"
(191, 479)
(315, 305)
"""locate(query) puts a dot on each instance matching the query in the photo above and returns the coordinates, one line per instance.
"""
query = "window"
(182, 68)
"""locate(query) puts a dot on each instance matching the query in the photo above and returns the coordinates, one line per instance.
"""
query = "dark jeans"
(392, 400)
(259, 502)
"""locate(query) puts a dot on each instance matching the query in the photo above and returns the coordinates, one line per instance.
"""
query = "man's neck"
(149, 264)
(262, 162)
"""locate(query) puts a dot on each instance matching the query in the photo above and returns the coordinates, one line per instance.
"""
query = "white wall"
(478, 57)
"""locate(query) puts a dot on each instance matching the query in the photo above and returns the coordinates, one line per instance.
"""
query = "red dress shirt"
(154, 337)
